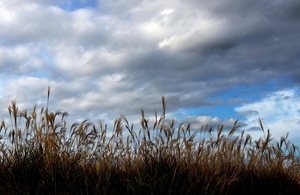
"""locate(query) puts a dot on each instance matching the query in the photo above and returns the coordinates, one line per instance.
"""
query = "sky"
(214, 61)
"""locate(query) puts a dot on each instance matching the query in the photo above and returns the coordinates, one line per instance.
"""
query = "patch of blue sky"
(237, 96)
(39, 74)
(240, 92)
(73, 5)
(2, 90)
(4, 77)
(128, 16)
(45, 55)
(258, 91)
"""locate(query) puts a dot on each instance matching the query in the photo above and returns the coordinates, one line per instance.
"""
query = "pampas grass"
(42, 156)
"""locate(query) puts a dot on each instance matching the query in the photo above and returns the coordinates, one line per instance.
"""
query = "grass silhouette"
(42, 156)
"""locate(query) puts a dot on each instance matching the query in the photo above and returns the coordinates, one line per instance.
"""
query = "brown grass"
(42, 157)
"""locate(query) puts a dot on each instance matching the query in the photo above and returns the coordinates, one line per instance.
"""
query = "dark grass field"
(39, 155)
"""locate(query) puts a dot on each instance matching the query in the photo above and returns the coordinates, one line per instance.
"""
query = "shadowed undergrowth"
(39, 155)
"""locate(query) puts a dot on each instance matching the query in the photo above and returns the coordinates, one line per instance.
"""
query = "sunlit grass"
(39, 155)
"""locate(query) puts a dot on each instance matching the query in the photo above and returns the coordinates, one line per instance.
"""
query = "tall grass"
(39, 155)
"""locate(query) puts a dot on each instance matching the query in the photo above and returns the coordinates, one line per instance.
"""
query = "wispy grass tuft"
(42, 156)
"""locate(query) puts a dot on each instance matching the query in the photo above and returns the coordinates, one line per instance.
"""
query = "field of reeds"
(40, 155)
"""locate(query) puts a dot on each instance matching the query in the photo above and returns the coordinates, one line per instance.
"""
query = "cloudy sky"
(214, 61)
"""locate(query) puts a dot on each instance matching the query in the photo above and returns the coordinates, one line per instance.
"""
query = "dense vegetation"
(39, 155)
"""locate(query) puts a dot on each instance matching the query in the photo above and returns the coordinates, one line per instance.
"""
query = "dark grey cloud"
(255, 129)
(202, 121)
(248, 112)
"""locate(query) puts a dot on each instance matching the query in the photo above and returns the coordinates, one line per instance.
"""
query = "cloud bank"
(104, 58)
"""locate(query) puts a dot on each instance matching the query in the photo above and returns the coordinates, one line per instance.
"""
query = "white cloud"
(203, 32)
(82, 20)
(199, 121)
(167, 11)
(6, 16)
(279, 112)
